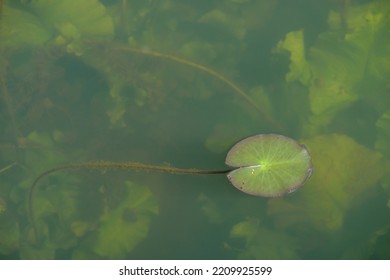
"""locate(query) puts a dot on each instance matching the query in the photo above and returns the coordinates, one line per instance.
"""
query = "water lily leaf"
(125, 226)
(268, 165)
(344, 172)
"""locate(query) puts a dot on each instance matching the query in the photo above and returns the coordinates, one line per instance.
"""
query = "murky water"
(176, 84)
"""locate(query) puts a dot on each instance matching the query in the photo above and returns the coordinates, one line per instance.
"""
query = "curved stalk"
(210, 72)
(107, 164)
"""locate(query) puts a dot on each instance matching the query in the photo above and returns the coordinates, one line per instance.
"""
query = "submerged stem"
(212, 73)
(108, 164)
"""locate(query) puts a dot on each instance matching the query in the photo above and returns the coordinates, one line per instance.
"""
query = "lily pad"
(269, 165)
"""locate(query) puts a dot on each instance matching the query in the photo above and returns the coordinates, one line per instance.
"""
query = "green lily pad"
(269, 165)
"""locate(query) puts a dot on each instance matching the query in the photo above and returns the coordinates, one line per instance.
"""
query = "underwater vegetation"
(265, 165)
(179, 82)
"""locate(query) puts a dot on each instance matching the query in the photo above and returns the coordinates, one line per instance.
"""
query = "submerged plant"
(208, 71)
(268, 165)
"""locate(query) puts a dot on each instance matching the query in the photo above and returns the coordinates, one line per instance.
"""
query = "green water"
(177, 83)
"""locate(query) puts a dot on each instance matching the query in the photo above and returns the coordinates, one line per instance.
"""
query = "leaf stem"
(208, 71)
(107, 164)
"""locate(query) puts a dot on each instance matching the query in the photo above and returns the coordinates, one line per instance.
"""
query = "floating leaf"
(269, 165)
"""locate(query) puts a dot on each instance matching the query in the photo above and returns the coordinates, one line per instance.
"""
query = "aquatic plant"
(267, 165)
(92, 80)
